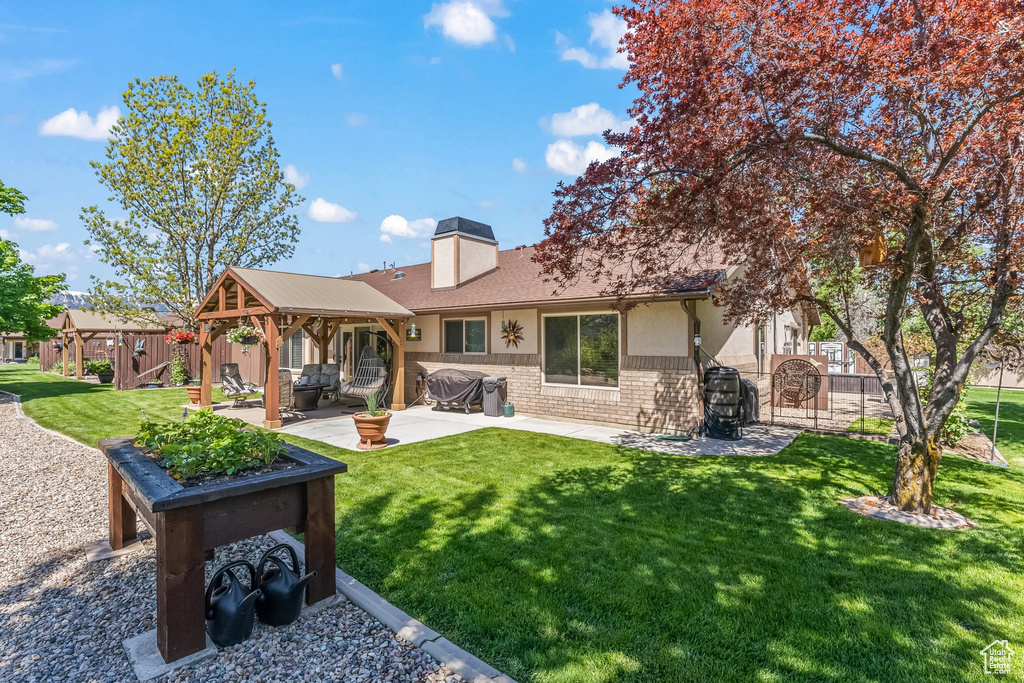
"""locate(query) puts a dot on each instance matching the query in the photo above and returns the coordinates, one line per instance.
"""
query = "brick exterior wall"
(656, 393)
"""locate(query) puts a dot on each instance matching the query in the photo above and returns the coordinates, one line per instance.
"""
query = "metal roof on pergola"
(280, 304)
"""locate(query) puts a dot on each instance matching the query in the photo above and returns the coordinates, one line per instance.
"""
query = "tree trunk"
(917, 463)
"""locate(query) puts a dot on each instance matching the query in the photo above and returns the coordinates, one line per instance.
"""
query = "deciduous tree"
(24, 298)
(793, 135)
(196, 176)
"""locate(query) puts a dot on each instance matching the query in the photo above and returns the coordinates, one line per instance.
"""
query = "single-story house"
(567, 354)
(15, 347)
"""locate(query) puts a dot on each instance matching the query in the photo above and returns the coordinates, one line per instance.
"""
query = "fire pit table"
(188, 523)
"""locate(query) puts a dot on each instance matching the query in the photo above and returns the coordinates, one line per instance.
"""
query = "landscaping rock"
(64, 619)
(881, 507)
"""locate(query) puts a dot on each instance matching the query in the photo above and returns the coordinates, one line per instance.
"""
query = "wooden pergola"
(78, 326)
(281, 304)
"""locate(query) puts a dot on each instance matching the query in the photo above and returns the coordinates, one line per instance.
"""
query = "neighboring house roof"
(91, 321)
(517, 281)
(317, 294)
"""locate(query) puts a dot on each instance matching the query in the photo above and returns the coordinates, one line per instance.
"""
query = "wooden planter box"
(189, 523)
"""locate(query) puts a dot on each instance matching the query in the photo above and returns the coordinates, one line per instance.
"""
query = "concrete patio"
(333, 425)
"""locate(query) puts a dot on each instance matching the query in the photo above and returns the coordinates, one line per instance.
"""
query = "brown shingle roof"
(516, 281)
(91, 321)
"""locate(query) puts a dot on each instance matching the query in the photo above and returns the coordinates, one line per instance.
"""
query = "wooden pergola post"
(206, 366)
(64, 352)
(79, 355)
(272, 388)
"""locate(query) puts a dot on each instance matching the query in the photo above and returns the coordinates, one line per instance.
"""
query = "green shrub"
(95, 367)
(205, 442)
(179, 372)
(58, 368)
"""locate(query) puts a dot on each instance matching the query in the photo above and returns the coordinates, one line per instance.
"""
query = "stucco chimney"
(461, 250)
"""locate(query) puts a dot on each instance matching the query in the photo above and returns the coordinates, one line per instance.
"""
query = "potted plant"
(154, 384)
(194, 390)
(103, 369)
(181, 337)
(246, 335)
(372, 424)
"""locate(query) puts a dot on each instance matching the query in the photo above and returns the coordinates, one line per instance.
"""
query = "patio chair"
(370, 378)
(234, 388)
(285, 389)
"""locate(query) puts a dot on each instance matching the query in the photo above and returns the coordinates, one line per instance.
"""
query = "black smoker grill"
(723, 403)
(452, 388)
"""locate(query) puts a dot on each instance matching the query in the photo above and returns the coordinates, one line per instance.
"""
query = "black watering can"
(281, 589)
(229, 606)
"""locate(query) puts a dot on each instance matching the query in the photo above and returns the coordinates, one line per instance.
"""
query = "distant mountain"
(71, 299)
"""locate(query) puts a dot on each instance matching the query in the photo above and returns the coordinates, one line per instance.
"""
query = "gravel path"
(63, 619)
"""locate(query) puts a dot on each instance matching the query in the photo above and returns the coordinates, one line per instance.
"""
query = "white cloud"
(292, 175)
(397, 226)
(78, 124)
(355, 120)
(52, 258)
(34, 224)
(606, 30)
(569, 158)
(486, 204)
(362, 267)
(586, 119)
(323, 211)
(464, 22)
(4, 235)
(21, 70)
(338, 70)
(519, 165)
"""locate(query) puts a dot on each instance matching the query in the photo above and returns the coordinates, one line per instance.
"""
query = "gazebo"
(281, 304)
(78, 326)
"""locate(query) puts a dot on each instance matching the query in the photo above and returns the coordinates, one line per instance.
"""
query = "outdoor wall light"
(696, 340)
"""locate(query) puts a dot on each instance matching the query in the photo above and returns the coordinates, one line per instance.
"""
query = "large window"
(465, 336)
(582, 350)
(291, 351)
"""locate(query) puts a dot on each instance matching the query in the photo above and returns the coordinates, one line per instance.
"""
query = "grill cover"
(456, 386)
(723, 403)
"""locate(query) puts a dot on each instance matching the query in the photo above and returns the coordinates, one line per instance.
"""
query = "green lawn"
(562, 560)
(88, 412)
(872, 425)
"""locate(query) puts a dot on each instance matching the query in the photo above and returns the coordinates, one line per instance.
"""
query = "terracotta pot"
(371, 430)
(193, 394)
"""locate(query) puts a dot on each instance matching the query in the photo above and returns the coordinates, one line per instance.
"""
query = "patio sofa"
(322, 373)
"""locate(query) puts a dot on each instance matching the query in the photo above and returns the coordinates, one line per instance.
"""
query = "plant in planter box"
(372, 424)
(103, 369)
(245, 335)
(208, 443)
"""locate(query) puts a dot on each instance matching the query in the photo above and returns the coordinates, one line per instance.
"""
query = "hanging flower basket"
(181, 337)
(246, 335)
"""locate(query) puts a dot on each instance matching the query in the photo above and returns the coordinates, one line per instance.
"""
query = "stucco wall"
(443, 261)
(476, 258)
(527, 319)
(658, 329)
(429, 327)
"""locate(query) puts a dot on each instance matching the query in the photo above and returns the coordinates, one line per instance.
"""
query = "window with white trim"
(582, 350)
(465, 336)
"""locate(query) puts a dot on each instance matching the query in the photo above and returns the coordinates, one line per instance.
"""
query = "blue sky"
(389, 115)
